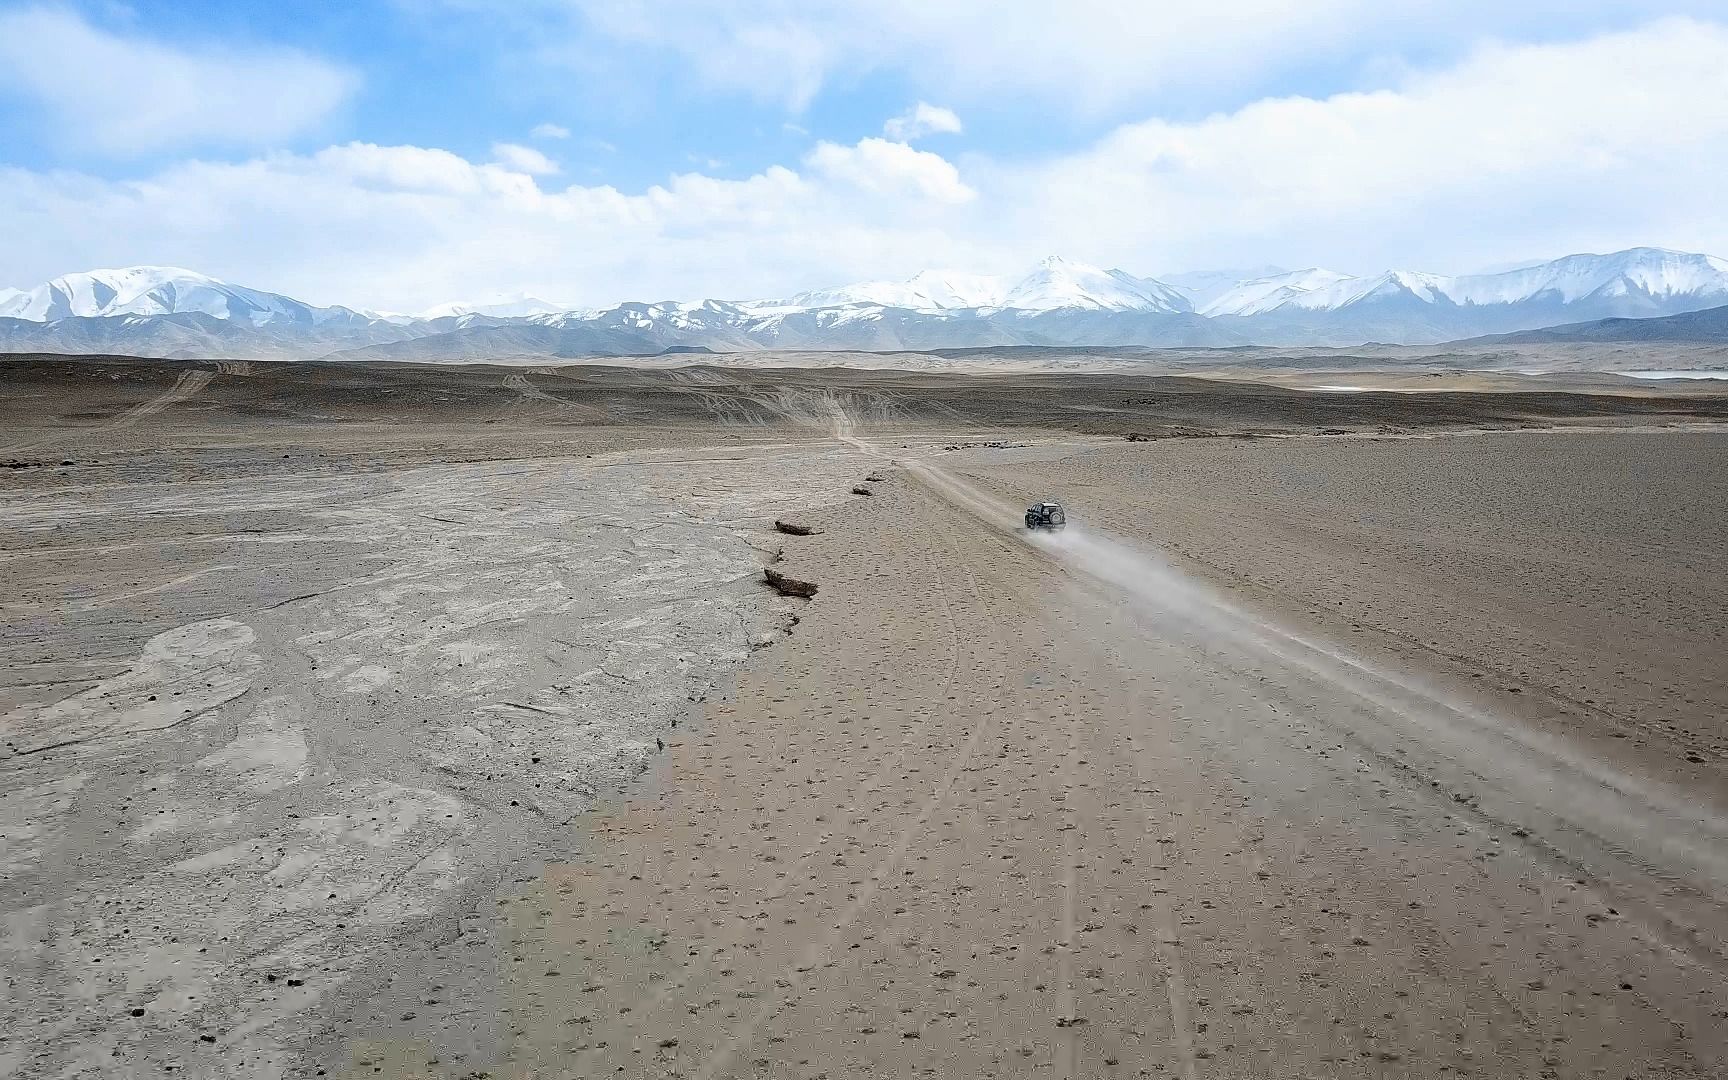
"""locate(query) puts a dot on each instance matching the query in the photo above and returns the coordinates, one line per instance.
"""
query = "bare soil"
(421, 721)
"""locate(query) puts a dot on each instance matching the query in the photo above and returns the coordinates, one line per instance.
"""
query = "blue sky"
(397, 153)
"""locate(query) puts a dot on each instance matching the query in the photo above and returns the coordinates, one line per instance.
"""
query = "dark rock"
(788, 586)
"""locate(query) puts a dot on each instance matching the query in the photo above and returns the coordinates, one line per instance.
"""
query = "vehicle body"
(1046, 515)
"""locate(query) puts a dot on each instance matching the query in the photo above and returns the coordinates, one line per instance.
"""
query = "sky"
(395, 154)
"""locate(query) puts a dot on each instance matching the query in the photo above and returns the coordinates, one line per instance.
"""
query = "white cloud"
(1511, 152)
(880, 166)
(1083, 55)
(920, 120)
(1516, 149)
(524, 159)
(403, 227)
(550, 131)
(125, 95)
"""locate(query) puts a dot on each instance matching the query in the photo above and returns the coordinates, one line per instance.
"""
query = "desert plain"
(437, 721)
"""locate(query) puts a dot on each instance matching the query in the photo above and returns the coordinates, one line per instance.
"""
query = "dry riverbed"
(267, 738)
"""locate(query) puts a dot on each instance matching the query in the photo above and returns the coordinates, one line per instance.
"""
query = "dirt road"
(990, 814)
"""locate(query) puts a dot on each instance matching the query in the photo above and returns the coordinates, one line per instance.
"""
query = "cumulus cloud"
(550, 131)
(920, 120)
(524, 159)
(1511, 151)
(125, 95)
(881, 166)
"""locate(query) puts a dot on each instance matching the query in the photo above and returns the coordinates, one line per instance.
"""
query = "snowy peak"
(1344, 292)
(1054, 284)
(1648, 272)
(519, 306)
(154, 290)
(1057, 284)
(1203, 287)
(1651, 275)
(1262, 294)
(928, 291)
(952, 289)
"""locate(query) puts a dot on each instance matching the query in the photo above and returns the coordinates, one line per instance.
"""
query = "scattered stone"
(794, 529)
(861, 490)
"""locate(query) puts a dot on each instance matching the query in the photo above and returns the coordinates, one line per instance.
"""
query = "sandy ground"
(432, 746)
(1509, 558)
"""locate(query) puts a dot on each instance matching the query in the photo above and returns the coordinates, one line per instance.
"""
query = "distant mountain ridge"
(1058, 302)
(1706, 327)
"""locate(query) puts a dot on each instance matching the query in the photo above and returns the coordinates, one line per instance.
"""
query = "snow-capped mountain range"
(174, 312)
(157, 290)
(1055, 284)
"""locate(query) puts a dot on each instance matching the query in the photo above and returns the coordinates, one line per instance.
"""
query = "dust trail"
(1642, 834)
(1584, 790)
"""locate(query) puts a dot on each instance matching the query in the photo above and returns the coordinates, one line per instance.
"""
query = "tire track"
(1169, 951)
(529, 392)
(889, 764)
(962, 495)
(1067, 1050)
(175, 583)
(820, 951)
(794, 976)
(185, 387)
